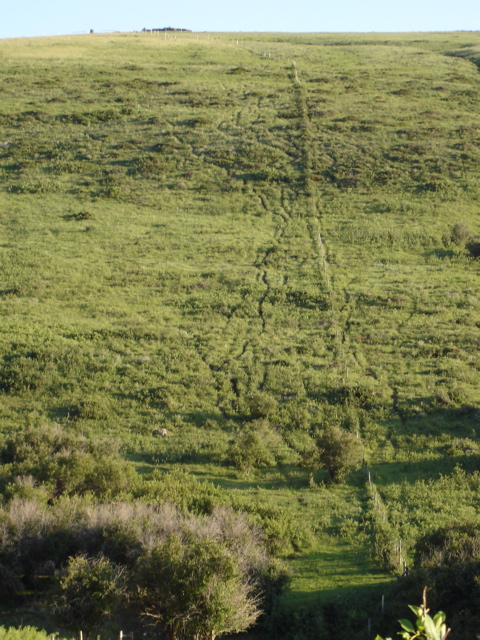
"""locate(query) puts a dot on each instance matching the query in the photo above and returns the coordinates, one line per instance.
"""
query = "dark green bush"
(447, 559)
(460, 233)
(473, 246)
(340, 452)
(64, 462)
(195, 588)
(252, 447)
(448, 545)
(88, 590)
(262, 405)
(222, 560)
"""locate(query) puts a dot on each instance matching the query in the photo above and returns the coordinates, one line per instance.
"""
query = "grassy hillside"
(201, 231)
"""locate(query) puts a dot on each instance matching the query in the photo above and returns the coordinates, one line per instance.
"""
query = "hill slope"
(199, 232)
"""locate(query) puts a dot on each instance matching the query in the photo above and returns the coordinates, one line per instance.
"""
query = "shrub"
(262, 405)
(448, 546)
(340, 452)
(180, 488)
(195, 589)
(252, 447)
(311, 461)
(448, 560)
(65, 462)
(473, 246)
(82, 215)
(25, 633)
(460, 233)
(89, 589)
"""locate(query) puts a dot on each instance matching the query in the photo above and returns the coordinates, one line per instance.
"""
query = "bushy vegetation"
(426, 627)
(89, 589)
(195, 575)
(195, 589)
(25, 633)
(339, 452)
(237, 289)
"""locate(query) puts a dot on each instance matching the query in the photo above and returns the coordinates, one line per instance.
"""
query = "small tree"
(460, 233)
(262, 405)
(473, 246)
(340, 452)
(89, 589)
(311, 461)
(195, 589)
(252, 447)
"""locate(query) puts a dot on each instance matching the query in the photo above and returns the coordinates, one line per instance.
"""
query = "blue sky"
(51, 17)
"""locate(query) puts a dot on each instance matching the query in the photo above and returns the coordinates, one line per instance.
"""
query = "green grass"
(160, 263)
(343, 569)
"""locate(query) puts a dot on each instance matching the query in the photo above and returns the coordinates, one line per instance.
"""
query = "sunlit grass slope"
(199, 230)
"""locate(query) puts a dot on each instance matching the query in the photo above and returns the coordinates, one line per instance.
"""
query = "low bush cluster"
(196, 576)
(462, 236)
(61, 462)
(447, 559)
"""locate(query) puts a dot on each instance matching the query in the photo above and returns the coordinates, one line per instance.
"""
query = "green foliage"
(460, 233)
(93, 550)
(181, 489)
(25, 633)
(252, 447)
(473, 246)
(63, 462)
(339, 452)
(426, 627)
(448, 559)
(195, 589)
(446, 546)
(311, 460)
(89, 589)
(254, 249)
(262, 405)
